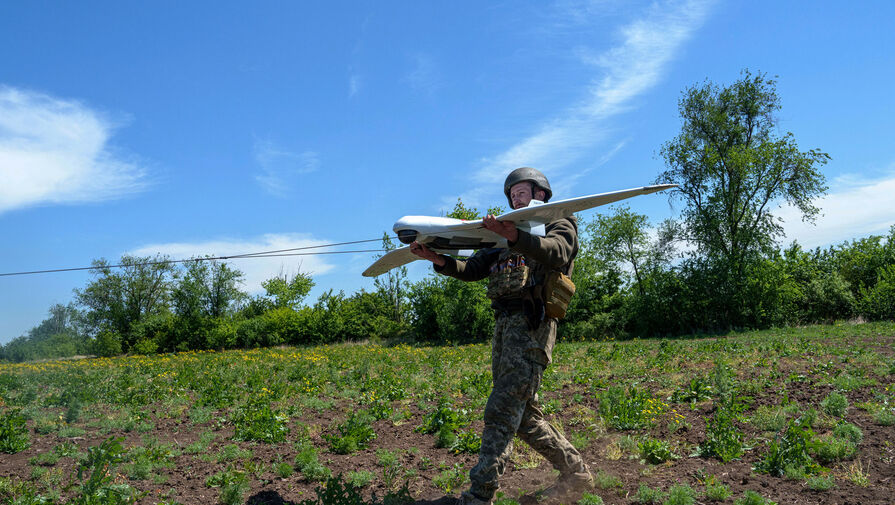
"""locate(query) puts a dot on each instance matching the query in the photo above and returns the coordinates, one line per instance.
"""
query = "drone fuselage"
(446, 233)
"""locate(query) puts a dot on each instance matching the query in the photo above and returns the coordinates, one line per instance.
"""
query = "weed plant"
(590, 499)
(680, 494)
(308, 463)
(649, 496)
(821, 482)
(13, 432)
(451, 479)
(722, 439)
(835, 404)
(752, 498)
(604, 480)
(630, 409)
(360, 478)
(655, 451)
(353, 434)
(789, 449)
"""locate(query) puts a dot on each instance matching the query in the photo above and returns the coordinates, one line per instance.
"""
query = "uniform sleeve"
(556, 248)
(475, 268)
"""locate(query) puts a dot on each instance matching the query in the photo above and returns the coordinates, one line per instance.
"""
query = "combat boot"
(568, 488)
(467, 498)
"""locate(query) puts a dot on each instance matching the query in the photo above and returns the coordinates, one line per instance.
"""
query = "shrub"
(752, 498)
(354, 434)
(680, 494)
(256, 421)
(832, 449)
(590, 499)
(789, 449)
(878, 302)
(309, 465)
(715, 491)
(629, 409)
(233, 485)
(821, 482)
(13, 433)
(649, 496)
(835, 404)
(655, 451)
(360, 478)
(849, 431)
(722, 439)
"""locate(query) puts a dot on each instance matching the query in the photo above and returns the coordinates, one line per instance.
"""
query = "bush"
(13, 433)
(630, 409)
(354, 434)
(722, 439)
(827, 298)
(835, 404)
(680, 494)
(789, 450)
(447, 310)
(752, 498)
(878, 302)
(106, 344)
(256, 421)
(655, 451)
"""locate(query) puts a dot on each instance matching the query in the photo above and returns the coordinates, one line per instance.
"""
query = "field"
(801, 415)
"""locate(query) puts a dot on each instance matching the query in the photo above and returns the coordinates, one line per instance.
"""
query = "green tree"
(288, 292)
(203, 294)
(392, 286)
(118, 298)
(731, 168)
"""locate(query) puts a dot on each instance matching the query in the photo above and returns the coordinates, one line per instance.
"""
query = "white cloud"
(858, 208)
(424, 77)
(636, 64)
(256, 270)
(281, 169)
(56, 151)
(354, 85)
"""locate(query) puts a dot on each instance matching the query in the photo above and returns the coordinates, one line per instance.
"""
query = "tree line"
(717, 266)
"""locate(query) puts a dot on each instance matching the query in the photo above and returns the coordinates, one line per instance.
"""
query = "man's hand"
(426, 253)
(505, 229)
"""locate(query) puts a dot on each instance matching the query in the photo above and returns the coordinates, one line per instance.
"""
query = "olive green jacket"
(554, 251)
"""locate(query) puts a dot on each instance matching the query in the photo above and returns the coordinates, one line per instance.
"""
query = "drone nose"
(407, 236)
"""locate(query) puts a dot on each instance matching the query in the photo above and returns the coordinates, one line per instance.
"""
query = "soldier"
(523, 340)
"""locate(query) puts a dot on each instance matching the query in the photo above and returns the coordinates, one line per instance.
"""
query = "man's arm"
(475, 268)
(555, 249)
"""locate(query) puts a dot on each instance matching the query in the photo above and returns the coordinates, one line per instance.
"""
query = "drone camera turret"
(407, 236)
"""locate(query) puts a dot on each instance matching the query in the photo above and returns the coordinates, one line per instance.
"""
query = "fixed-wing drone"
(458, 237)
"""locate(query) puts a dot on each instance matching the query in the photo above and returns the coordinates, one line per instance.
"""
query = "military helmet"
(531, 175)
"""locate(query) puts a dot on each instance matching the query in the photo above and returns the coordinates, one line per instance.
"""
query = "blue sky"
(194, 128)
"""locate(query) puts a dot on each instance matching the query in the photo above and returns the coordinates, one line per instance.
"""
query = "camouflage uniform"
(521, 350)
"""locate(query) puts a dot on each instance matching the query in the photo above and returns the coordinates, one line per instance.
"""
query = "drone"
(459, 237)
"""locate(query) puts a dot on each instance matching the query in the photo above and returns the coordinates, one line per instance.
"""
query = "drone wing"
(402, 256)
(547, 212)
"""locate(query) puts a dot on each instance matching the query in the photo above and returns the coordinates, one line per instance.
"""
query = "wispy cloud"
(256, 270)
(354, 84)
(646, 46)
(281, 169)
(424, 76)
(855, 208)
(56, 151)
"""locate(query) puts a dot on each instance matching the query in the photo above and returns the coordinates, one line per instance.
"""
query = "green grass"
(316, 406)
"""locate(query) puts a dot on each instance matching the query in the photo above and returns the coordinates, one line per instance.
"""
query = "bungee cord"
(262, 254)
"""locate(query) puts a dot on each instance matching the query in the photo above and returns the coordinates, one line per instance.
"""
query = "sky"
(216, 128)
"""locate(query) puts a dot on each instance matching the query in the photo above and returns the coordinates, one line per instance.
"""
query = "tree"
(118, 298)
(392, 286)
(731, 168)
(288, 292)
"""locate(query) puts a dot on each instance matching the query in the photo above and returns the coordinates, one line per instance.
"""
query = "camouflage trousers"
(517, 365)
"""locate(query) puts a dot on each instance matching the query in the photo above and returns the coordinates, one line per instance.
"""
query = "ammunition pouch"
(510, 282)
(558, 291)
